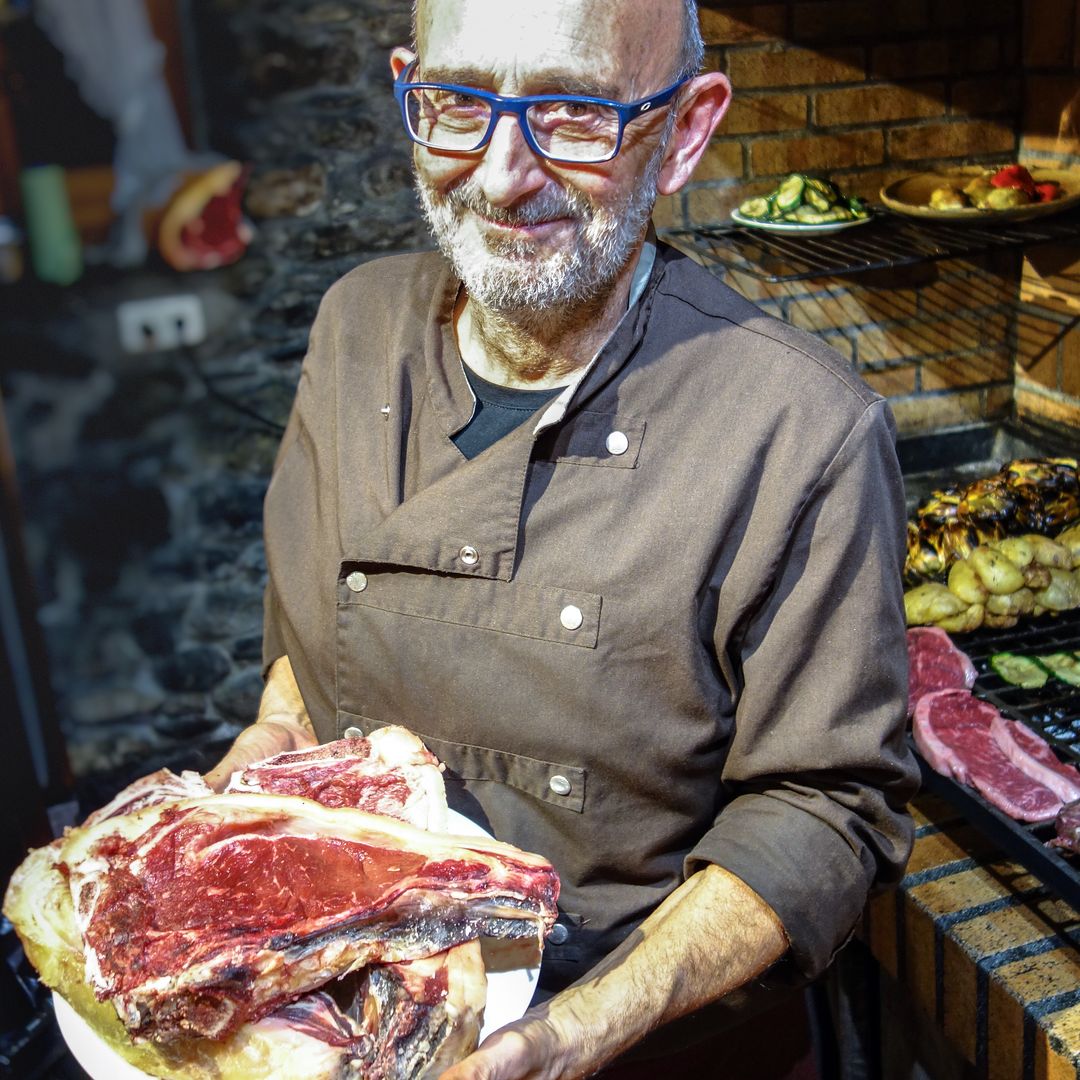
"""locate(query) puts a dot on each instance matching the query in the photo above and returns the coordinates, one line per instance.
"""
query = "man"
(623, 551)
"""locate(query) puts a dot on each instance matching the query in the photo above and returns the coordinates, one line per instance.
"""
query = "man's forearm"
(283, 724)
(712, 935)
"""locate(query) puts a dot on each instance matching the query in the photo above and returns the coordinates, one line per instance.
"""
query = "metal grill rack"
(1053, 712)
(887, 242)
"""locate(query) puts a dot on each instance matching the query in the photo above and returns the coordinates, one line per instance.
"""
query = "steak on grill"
(959, 735)
(199, 915)
(935, 663)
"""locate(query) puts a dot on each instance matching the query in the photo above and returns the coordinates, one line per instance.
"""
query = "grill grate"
(1053, 712)
(888, 241)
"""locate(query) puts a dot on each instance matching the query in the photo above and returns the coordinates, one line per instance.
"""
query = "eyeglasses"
(559, 127)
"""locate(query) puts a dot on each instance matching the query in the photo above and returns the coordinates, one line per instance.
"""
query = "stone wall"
(142, 477)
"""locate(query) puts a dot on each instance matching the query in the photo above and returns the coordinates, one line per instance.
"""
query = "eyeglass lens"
(570, 130)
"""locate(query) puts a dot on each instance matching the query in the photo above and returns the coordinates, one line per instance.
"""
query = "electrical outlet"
(163, 322)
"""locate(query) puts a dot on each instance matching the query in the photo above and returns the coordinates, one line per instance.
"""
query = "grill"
(1053, 712)
(889, 241)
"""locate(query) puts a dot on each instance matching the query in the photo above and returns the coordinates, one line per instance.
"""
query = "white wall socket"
(161, 322)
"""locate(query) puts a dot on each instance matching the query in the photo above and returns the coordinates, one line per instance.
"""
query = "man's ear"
(704, 102)
(400, 59)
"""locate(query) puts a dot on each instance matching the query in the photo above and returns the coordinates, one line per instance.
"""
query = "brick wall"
(867, 92)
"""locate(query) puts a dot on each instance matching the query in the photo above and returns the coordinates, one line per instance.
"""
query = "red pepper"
(1048, 191)
(1015, 176)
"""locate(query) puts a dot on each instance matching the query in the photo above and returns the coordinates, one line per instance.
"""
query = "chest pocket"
(549, 781)
(570, 617)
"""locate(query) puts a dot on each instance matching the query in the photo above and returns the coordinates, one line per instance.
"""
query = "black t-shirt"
(499, 409)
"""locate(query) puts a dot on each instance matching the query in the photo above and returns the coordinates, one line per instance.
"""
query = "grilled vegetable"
(1063, 666)
(1021, 602)
(1020, 671)
(1063, 592)
(995, 571)
(929, 603)
(805, 200)
(1028, 496)
(789, 195)
(966, 583)
(966, 621)
(755, 208)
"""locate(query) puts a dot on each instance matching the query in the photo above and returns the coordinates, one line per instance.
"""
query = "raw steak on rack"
(390, 772)
(199, 915)
(955, 732)
(935, 663)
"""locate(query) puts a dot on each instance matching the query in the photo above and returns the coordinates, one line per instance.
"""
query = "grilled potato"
(1017, 549)
(1063, 592)
(1021, 602)
(1050, 553)
(1070, 539)
(930, 603)
(966, 621)
(1036, 576)
(999, 622)
(966, 583)
(996, 572)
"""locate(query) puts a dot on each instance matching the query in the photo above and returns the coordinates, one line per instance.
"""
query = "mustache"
(547, 205)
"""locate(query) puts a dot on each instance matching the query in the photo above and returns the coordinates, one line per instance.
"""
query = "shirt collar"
(642, 272)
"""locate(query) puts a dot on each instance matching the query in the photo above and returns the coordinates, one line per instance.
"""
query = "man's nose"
(508, 170)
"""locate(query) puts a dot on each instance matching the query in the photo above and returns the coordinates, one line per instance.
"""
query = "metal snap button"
(352, 733)
(571, 617)
(560, 785)
(357, 581)
(617, 443)
(559, 934)
(469, 555)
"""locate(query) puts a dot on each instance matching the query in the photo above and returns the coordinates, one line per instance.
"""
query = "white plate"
(794, 227)
(513, 968)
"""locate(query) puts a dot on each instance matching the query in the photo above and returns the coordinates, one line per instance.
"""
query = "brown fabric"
(735, 691)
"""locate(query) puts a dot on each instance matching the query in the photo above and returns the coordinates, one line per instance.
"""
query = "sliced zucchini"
(1020, 671)
(815, 197)
(755, 208)
(1064, 666)
(789, 195)
(807, 215)
(857, 207)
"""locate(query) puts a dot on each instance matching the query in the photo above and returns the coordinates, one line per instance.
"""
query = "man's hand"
(709, 937)
(283, 724)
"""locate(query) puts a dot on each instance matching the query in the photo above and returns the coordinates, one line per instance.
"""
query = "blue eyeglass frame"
(519, 106)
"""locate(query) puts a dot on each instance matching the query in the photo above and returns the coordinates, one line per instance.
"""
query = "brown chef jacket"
(661, 630)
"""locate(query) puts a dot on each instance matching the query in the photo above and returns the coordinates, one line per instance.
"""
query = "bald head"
(639, 29)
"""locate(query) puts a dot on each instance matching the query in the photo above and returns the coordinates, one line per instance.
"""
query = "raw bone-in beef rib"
(935, 663)
(423, 1015)
(390, 772)
(200, 915)
(159, 787)
(961, 736)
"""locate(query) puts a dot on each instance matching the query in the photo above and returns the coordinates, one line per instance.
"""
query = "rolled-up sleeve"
(819, 772)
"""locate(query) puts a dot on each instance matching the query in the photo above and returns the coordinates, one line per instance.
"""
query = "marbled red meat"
(200, 915)
(935, 663)
(954, 731)
(390, 772)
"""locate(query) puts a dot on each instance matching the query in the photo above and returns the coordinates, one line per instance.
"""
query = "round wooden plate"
(911, 195)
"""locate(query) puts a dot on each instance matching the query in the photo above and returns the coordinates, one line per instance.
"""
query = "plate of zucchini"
(803, 204)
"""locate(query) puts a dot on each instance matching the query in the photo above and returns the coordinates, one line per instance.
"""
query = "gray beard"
(504, 277)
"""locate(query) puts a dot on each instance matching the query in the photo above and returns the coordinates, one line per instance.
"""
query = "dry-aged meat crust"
(252, 897)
